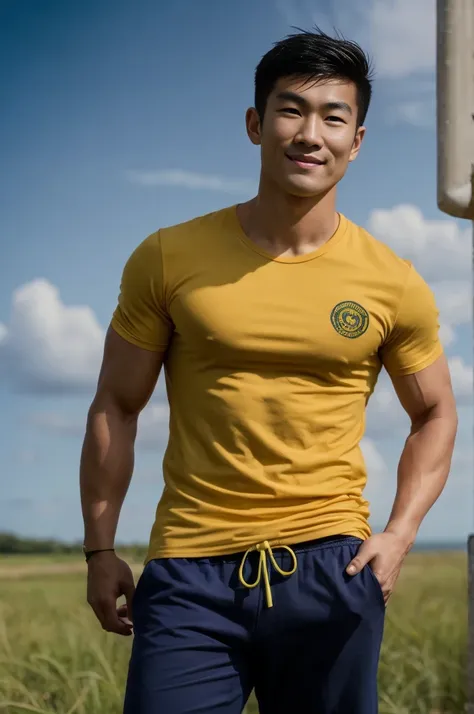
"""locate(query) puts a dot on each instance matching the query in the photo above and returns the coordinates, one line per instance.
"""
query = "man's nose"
(310, 133)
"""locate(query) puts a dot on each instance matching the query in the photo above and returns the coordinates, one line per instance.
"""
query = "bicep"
(128, 374)
(428, 391)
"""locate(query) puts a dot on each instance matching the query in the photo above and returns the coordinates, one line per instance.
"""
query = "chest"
(283, 317)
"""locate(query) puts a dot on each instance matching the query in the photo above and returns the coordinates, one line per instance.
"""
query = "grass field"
(55, 658)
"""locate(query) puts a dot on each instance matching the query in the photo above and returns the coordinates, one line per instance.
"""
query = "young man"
(272, 319)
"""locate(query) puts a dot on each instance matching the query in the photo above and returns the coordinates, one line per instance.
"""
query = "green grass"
(54, 657)
(42, 559)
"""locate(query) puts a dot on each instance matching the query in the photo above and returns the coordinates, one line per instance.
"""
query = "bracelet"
(89, 553)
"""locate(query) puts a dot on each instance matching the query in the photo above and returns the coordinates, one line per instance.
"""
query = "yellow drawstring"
(263, 549)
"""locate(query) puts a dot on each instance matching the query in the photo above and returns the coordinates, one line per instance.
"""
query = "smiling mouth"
(306, 162)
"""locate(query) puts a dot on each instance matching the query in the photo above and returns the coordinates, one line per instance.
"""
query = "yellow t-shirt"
(269, 364)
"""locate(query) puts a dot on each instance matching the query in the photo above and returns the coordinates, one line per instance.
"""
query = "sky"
(121, 117)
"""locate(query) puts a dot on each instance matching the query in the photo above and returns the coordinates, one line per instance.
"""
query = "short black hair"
(314, 56)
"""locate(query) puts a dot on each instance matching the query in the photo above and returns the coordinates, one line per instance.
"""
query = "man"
(273, 319)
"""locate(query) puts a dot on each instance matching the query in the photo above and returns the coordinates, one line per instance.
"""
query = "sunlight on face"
(308, 136)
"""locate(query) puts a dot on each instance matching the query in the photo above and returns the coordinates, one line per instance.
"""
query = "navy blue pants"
(203, 641)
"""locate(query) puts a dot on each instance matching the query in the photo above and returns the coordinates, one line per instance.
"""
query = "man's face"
(308, 135)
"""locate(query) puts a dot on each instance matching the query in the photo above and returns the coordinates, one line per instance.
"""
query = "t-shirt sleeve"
(413, 342)
(141, 316)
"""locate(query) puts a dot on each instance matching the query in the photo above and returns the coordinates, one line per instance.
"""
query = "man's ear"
(358, 139)
(254, 125)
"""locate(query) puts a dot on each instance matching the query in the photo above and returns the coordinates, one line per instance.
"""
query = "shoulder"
(392, 276)
(193, 232)
(185, 241)
(145, 258)
(377, 255)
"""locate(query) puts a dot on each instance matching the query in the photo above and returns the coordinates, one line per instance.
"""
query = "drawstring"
(263, 549)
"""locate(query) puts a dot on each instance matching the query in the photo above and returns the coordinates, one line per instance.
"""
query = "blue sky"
(118, 118)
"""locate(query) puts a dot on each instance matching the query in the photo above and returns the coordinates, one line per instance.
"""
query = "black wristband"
(89, 553)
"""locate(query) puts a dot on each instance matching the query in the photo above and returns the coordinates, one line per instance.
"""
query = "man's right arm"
(127, 379)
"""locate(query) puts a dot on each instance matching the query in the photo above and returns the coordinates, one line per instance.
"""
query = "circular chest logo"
(350, 319)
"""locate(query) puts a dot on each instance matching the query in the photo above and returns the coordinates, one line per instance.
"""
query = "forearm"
(106, 469)
(422, 472)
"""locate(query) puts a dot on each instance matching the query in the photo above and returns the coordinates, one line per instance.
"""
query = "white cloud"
(403, 36)
(191, 180)
(454, 300)
(385, 416)
(447, 334)
(462, 379)
(375, 463)
(410, 100)
(379, 481)
(440, 249)
(153, 426)
(417, 112)
(400, 34)
(384, 397)
(47, 345)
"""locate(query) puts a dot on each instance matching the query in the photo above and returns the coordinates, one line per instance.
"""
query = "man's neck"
(287, 226)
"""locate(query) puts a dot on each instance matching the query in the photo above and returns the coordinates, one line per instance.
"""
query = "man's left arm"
(419, 371)
(428, 399)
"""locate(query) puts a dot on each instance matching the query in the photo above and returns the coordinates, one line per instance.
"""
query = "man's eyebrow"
(302, 102)
(338, 106)
(288, 96)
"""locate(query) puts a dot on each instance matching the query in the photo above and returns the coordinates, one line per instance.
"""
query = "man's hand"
(108, 578)
(385, 553)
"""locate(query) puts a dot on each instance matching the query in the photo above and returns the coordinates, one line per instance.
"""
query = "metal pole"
(455, 150)
(470, 592)
(455, 106)
(470, 652)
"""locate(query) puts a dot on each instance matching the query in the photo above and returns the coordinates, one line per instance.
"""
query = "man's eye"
(337, 119)
(289, 110)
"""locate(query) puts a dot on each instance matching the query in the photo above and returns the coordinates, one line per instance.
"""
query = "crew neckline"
(322, 250)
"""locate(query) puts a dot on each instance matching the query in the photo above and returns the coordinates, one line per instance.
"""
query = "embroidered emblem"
(350, 319)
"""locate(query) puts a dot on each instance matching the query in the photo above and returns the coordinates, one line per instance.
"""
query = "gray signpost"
(455, 127)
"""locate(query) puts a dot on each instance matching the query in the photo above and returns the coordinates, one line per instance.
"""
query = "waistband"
(265, 549)
(316, 544)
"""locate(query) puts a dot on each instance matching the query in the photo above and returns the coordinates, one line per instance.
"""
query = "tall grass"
(54, 658)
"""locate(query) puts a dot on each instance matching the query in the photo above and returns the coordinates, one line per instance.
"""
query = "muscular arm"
(428, 399)
(423, 469)
(127, 379)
